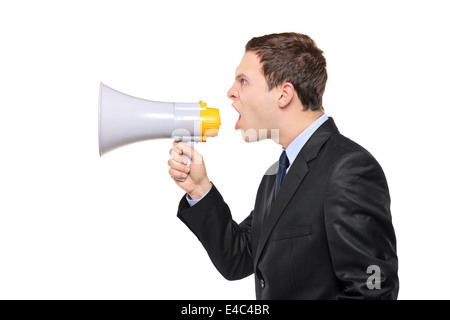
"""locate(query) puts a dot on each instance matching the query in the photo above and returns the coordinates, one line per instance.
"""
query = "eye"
(243, 82)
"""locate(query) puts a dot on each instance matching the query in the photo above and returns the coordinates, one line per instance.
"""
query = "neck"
(292, 127)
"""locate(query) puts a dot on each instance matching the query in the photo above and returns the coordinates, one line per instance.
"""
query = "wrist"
(200, 191)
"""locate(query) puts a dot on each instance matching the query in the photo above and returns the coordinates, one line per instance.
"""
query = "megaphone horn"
(124, 119)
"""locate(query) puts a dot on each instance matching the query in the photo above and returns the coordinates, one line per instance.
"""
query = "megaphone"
(124, 119)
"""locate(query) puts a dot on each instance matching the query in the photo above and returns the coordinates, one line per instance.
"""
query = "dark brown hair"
(295, 58)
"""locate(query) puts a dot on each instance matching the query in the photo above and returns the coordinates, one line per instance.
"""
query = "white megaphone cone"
(124, 119)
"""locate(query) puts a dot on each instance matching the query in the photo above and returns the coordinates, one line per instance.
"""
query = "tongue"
(237, 123)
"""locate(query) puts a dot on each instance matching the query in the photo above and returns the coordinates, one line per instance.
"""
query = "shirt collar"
(297, 144)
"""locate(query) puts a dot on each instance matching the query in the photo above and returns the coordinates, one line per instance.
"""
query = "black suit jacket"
(319, 237)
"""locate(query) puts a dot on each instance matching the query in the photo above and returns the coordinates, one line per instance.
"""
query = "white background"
(77, 226)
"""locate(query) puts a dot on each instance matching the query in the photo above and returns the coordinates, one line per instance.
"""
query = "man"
(321, 226)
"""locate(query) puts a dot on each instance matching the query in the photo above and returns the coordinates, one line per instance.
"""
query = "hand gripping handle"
(190, 143)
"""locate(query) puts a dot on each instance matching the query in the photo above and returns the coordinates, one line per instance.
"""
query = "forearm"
(227, 243)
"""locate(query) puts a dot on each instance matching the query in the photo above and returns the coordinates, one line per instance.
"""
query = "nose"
(232, 93)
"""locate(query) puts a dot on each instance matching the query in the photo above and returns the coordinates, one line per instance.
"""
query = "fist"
(197, 183)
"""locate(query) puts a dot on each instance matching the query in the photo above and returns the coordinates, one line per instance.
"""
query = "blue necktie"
(283, 164)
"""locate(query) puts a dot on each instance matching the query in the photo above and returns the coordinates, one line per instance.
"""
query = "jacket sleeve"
(359, 228)
(227, 243)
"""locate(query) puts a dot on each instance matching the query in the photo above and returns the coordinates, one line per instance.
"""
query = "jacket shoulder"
(340, 146)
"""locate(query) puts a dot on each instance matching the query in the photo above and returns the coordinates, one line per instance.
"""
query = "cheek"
(266, 112)
(256, 106)
(251, 101)
(251, 110)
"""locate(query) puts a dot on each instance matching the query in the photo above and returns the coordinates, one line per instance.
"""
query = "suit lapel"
(289, 186)
(292, 182)
(264, 203)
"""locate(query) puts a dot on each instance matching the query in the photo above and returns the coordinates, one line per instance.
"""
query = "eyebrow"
(240, 76)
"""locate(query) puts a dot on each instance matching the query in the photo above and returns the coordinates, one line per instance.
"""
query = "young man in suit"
(321, 226)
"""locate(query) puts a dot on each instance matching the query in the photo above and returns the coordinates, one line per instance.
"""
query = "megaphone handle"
(191, 143)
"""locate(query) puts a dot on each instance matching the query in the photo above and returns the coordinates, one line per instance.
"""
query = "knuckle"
(180, 175)
(173, 163)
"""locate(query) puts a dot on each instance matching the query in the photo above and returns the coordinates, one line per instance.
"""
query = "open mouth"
(236, 126)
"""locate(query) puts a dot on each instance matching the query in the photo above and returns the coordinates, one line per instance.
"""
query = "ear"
(286, 93)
